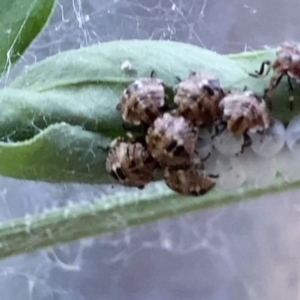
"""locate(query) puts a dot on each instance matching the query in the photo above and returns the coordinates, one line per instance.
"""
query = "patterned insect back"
(197, 99)
(287, 62)
(131, 164)
(142, 101)
(245, 111)
(171, 140)
(188, 181)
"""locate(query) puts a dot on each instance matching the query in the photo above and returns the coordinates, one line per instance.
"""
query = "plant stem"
(112, 214)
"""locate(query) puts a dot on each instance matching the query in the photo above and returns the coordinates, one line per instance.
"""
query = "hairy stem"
(113, 214)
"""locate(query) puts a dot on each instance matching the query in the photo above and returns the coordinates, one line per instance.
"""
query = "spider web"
(247, 251)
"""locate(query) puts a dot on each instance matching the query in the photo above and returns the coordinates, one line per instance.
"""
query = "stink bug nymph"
(197, 99)
(189, 181)
(142, 101)
(287, 63)
(131, 164)
(171, 140)
(245, 112)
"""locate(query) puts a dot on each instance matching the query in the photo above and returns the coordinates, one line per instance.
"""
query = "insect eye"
(208, 89)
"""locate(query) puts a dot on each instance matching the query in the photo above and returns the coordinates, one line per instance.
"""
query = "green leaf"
(114, 213)
(20, 22)
(61, 153)
(250, 61)
(101, 64)
(83, 87)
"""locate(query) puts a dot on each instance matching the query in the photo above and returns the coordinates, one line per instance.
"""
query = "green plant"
(55, 116)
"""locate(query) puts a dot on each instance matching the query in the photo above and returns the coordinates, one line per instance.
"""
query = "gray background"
(245, 251)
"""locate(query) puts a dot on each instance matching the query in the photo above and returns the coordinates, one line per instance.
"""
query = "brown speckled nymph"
(245, 111)
(188, 182)
(131, 164)
(142, 101)
(171, 140)
(198, 97)
(287, 62)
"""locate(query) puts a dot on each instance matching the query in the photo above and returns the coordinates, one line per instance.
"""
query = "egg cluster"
(205, 130)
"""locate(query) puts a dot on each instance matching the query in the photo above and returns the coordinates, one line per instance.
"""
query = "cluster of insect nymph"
(172, 132)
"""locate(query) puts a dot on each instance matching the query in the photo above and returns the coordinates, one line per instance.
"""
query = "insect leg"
(262, 69)
(104, 149)
(206, 157)
(268, 99)
(214, 176)
(112, 144)
(219, 128)
(275, 81)
(291, 89)
(152, 74)
(178, 79)
(247, 142)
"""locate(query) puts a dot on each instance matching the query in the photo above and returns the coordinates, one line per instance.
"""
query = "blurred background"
(245, 251)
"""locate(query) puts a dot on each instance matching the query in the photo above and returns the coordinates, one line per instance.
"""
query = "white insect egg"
(227, 143)
(292, 134)
(260, 171)
(203, 145)
(269, 143)
(210, 164)
(126, 66)
(288, 164)
(232, 174)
